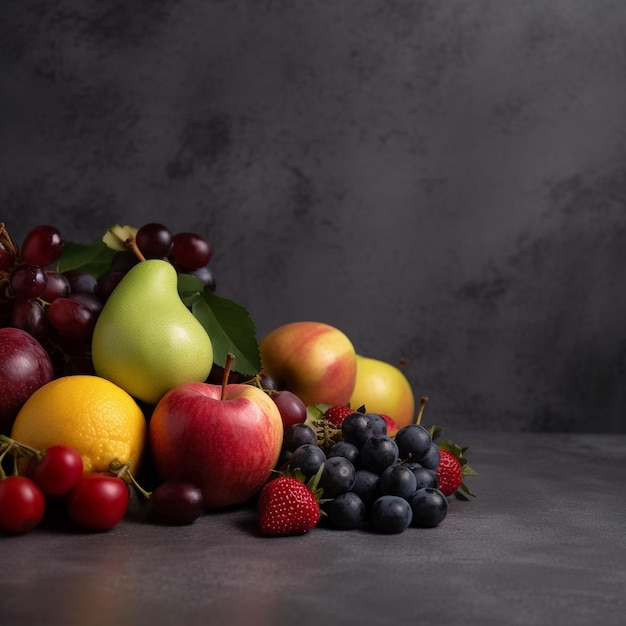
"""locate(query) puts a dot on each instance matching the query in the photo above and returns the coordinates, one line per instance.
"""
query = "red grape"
(178, 501)
(154, 240)
(30, 316)
(71, 319)
(57, 286)
(190, 251)
(42, 245)
(292, 410)
(28, 281)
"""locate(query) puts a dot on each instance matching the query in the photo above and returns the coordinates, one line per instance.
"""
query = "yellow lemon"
(91, 414)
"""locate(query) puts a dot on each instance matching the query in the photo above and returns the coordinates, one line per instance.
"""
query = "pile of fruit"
(119, 355)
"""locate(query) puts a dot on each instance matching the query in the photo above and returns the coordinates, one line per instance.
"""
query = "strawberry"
(449, 472)
(336, 414)
(453, 467)
(286, 506)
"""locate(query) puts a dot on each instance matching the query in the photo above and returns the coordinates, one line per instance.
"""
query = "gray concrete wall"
(443, 180)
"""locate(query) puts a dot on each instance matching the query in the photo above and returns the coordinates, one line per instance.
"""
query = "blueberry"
(366, 486)
(413, 442)
(346, 511)
(337, 477)
(390, 514)
(379, 424)
(356, 428)
(378, 453)
(309, 458)
(425, 477)
(429, 507)
(346, 450)
(398, 480)
(431, 460)
(297, 435)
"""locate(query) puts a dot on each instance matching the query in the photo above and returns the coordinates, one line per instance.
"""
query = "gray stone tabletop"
(543, 542)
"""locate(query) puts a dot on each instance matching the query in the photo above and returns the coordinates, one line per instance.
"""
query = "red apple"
(225, 439)
(314, 360)
(24, 367)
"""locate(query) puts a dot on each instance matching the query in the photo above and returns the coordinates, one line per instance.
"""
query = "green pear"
(146, 340)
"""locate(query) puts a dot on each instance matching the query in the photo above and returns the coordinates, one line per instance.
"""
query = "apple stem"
(230, 357)
(420, 412)
(131, 244)
(402, 362)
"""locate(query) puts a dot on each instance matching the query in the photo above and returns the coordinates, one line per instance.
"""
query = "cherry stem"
(420, 412)
(230, 357)
(123, 471)
(131, 244)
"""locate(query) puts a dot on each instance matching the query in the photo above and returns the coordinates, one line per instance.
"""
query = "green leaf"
(229, 326)
(94, 258)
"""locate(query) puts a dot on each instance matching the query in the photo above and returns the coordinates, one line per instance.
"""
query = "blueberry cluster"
(370, 478)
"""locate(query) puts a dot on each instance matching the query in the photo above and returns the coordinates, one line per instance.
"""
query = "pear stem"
(131, 244)
(420, 412)
(230, 357)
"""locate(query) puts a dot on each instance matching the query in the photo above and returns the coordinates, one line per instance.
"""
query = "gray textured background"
(443, 180)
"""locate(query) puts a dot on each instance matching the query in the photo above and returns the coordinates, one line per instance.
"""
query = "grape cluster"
(60, 309)
(368, 478)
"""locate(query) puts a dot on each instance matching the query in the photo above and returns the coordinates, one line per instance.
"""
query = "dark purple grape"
(81, 281)
(72, 320)
(391, 514)
(345, 512)
(42, 245)
(297, 435)
(154, 240)
(28, 282)
(190, 251)
(205, 275)
(122, 261)
(308, 458)
(337, 477)
(378, 453)
(398, 480)
(57, 286)
(31, 317)
(107, 283)
(429, 507)
(178, 502)
(268, 383)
